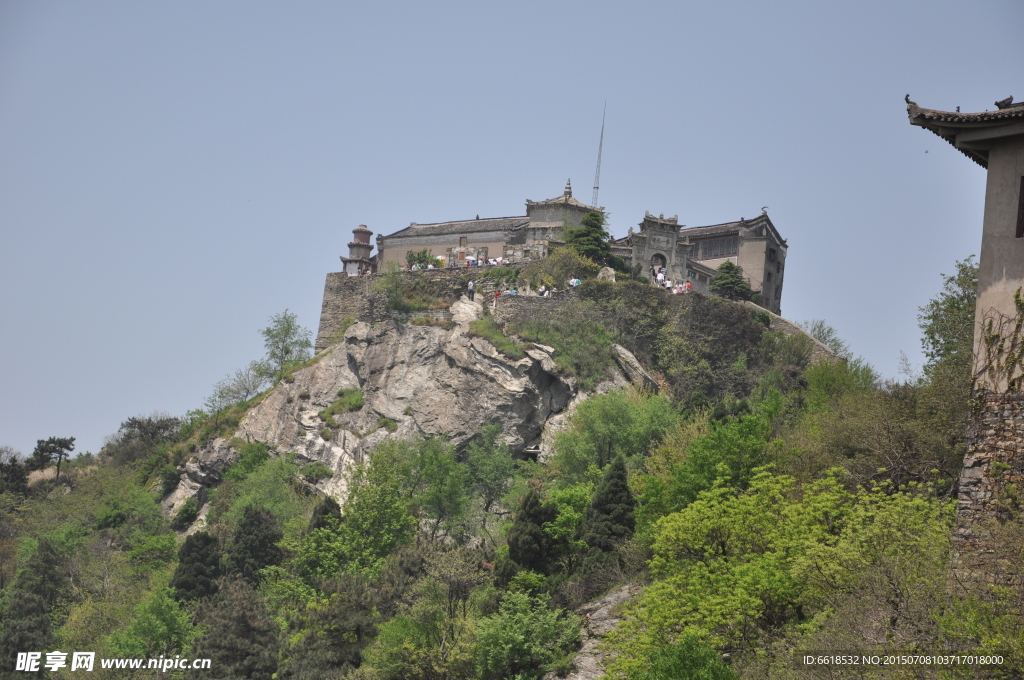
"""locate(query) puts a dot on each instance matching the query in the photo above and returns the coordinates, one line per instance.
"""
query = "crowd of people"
(660, 277)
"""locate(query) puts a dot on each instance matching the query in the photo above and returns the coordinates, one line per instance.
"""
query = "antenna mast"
(600, 148)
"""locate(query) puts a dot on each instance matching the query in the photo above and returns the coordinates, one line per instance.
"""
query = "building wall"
(1001, 267)
(396, 247)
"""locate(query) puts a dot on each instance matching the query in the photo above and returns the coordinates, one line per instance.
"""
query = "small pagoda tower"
(358, 261)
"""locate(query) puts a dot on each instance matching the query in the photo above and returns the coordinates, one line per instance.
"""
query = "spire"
(568, 188)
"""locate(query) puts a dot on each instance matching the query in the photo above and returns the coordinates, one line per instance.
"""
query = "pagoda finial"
(568, 188)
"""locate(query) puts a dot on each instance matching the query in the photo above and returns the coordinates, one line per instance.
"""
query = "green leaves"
(287, 343)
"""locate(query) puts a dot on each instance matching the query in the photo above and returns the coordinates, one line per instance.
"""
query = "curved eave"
(971, 134)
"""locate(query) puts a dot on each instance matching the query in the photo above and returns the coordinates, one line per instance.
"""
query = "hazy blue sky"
(172, 174)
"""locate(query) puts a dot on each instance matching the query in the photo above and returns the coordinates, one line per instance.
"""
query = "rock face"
(417, 380)
(606, 274)
(201, 471)
(598, 621)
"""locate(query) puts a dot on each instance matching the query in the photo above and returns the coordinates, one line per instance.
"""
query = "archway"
(658, 261)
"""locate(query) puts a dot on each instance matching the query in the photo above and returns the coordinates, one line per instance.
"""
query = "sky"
(174, 174)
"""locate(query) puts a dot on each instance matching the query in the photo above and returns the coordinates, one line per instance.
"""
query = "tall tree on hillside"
(529, 546)
(52, 449)
(198, 568)
(24, 627)
(590, 239)
(254, 544)
(287, 343)
(947, 321)
(13, 476)
(334, 633)
(241, 639)
(729, 282)
(609, 518)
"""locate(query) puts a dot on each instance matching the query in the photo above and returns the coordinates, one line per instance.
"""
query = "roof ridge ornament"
(1006, 103)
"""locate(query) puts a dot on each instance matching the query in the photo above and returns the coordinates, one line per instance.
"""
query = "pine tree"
(609, 517)
(241, 639)
(528, 545)
(198, 568)
(43, 574)
(729, 282)
(24, 627)
(254, 544)
(590, 239)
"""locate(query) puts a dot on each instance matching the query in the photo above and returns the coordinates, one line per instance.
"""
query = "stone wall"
(353, 297)
(521, 308)
(993, 470)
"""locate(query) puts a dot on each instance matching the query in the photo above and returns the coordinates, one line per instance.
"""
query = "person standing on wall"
(470, 290)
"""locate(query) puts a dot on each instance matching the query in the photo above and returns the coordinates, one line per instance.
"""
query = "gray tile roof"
(946, 124)
(501, 224)
(729, 227)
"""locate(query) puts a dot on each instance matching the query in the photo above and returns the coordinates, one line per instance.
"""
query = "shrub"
(487, 329)
(556, 269)
(582, 344)
(250, 457)
(187, 514)
(314, 472)
(387, 424)
(326, 434)
(348, 400)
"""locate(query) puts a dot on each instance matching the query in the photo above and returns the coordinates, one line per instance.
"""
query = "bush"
(523, 639)
(250, 457)
(187, 514)
(582, 343)
(387, 424)
(348, 400)
(487, 329)
(555, 270)
(314, 472)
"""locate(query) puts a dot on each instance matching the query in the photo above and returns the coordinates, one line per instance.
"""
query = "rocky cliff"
(415, 380)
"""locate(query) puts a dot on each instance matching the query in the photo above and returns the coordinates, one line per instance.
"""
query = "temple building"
(514, 238)
(686, 253)
(695, 253)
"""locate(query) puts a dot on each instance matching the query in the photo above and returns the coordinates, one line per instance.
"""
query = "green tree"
(609, 518)
(590, 239)
(375, 520)
(947, 321)
(52, 449)
(490, 465)
(523, 639)
(24, 627)
(689, 659)
(326, 508)
(729, 282)
(332, 634)
(420, 257)
(622, 422)
(821, 331)
(198, 568)
(13, 472)
(529, 545)
(254, 544)
(240, 638)
(432, 639)
(160, 627)
(287, 343)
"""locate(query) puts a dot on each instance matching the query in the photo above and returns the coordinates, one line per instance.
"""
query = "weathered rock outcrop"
(425, 380)
(599, 619)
